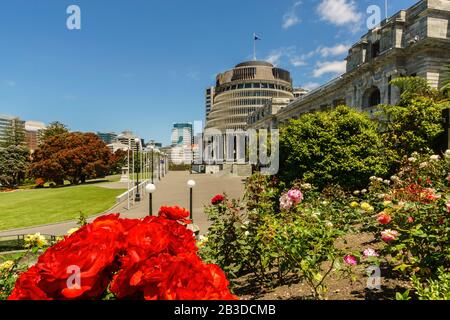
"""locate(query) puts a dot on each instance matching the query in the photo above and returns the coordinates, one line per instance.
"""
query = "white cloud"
(336, 67)
(298, 62)
(339, 12)
(333, 51)
(275, 56)
(291, 18)
(311, 85)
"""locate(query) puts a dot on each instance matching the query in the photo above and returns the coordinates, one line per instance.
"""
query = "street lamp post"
(191, 185)
(152, 151)
(159, 166)
(138, 144)
(150, 188)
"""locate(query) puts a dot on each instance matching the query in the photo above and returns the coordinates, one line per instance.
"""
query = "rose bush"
(152, 258)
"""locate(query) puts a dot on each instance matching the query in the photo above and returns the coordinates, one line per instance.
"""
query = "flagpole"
(386, 8)
(254, 46)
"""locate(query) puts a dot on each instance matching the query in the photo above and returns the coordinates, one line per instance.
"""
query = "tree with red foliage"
(75, 157)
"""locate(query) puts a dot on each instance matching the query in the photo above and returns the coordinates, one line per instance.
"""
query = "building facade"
(33, 130)
(8, 122)
(181, 146)
(107, 137)
(209, 100)
(413, 42)
(127, 138)
(245, 89)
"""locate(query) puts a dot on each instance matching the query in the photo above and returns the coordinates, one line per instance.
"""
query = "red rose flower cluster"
(217, 199)
(153, 258)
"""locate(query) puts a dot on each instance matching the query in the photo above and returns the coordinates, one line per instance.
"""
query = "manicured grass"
(25, 208)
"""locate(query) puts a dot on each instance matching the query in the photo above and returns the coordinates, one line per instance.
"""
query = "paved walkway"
(172, 190)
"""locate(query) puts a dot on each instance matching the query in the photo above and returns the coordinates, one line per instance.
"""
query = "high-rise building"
(107, 137)
(33, 131)
(245, 89)
(182, 134)
(181, 151)
(8, 122)
(127, 138)
(209, 100)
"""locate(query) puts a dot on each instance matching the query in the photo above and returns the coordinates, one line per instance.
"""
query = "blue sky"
(142, 65)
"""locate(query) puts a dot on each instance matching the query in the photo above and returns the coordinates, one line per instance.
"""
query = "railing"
(124, 196)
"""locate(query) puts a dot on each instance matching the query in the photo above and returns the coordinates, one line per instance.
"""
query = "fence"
(124, 196)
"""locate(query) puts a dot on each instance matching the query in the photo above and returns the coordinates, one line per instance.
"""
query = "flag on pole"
(255, 38)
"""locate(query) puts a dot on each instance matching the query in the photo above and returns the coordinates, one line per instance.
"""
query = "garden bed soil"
(339, 286)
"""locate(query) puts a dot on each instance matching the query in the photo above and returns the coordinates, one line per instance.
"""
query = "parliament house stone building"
(413, 42)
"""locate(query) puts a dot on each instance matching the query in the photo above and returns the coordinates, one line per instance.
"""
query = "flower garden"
(359, 210)
(301, 235)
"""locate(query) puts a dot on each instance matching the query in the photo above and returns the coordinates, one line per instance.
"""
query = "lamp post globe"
(150, 189)
(191, 184)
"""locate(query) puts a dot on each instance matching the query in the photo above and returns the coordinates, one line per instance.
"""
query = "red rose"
(153, 258)
(166, 277)
(217, 199)
(384, 218)
(26, 287)
(174, 213)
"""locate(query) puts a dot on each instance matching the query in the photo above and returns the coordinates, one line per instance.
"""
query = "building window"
(375, 49)
(372, 97)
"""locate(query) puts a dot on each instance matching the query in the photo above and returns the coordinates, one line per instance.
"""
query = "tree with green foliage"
(340, 147)
(415, 123)
(13, 165)
(446, 83)
(53, 129)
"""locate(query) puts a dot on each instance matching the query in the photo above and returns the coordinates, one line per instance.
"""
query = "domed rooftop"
(255, 64)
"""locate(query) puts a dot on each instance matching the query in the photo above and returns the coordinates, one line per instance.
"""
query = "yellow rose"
(354, 204)
(72, 231)
(367, 207)
(7, 265)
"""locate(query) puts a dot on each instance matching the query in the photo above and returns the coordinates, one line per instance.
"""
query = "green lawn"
(26, 208)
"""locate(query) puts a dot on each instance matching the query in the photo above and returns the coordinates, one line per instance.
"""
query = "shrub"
(226, 243)
(415, 124)
(414, 222)
(340, 147)
(39, 183)
(438, 289)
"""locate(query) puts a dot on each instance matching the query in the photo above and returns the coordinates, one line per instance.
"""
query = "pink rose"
(295, 195)
(350, 260)
(389, 235)
(286, 203)
(370, 253)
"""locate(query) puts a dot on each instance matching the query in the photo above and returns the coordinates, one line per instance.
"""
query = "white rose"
(435, 158)
(423, 165)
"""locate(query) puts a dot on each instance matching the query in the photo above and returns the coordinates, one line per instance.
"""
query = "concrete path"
(172, 190)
